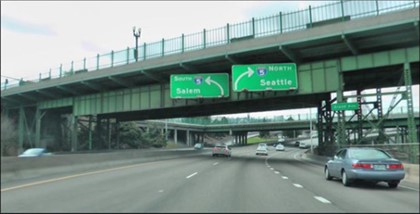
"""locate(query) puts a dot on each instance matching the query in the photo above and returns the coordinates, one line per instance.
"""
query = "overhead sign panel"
(344, 106)
(192, 86)
(264, 77)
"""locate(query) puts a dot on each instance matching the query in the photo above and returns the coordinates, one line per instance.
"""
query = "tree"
(131, 135)
(154, 137)
(9, 136)
(264, 134)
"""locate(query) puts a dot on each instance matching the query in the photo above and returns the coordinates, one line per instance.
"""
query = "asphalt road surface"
(279, 182)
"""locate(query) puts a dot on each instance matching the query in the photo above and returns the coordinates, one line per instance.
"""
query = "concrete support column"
(38, 128)
(188, 138)
(90, 132)
(118, 133)
(108, 131)
(21, 130)
(176, 136)
(74, 134)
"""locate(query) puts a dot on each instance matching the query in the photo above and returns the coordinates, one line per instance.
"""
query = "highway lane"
(244, 183)
(360, 197)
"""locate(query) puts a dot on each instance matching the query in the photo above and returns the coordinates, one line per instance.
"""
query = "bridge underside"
(371, 53)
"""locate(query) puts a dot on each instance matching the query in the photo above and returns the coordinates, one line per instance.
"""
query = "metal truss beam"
(153, 77)
(50, 95)
(67, 90)
(93, 86)
(27, 97)
(289, 54)
(350, 45)
(121, 82)
(232, 59)
(187, 67)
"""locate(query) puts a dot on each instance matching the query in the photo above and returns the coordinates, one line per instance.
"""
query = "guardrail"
(407, 152)
(257, 27)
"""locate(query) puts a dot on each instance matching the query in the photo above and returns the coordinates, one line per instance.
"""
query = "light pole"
(136, 35)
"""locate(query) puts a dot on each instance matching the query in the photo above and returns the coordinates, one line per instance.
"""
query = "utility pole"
(136, 35)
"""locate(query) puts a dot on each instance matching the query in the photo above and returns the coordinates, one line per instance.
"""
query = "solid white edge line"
(410, 188)
(189, 176)
(323, 200)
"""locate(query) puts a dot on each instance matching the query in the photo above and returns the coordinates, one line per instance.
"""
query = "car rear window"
(367, 154)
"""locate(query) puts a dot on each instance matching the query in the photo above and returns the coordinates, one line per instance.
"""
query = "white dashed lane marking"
(189, 176)
(298, 185)
(215, 163)
(284, 177)
(321, 199)
(277, 172)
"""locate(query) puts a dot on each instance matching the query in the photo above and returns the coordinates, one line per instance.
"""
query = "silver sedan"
(369, 164)
(262, 150)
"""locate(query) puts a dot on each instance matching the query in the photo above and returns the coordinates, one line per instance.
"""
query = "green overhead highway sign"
(264, 77)
(344, 106)
(191, 86)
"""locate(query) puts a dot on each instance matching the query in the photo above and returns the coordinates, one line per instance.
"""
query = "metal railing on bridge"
(257, 27)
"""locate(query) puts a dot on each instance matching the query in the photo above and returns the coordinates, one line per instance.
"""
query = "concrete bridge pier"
(188, 138)
(176, 136)
(241, 138)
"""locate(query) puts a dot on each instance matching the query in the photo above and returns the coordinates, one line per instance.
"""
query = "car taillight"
(396, 166)
(362, 166)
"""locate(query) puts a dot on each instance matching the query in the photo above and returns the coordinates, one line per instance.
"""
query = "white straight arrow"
(250, 72)
(209, 81)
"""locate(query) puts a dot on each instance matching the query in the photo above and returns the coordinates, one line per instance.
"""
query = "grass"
(172, 145)
(257, 139)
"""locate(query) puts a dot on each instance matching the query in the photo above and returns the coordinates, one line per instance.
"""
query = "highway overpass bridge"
(241, 130)
(339, 47)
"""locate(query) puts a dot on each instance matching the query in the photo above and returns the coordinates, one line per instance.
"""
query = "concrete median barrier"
(15, 168)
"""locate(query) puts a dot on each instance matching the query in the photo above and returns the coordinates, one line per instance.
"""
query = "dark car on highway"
(368, 164)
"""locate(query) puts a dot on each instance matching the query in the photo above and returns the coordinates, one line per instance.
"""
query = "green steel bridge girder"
(316, 77)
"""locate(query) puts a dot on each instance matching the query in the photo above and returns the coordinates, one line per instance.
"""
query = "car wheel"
(327, 174)
(393, 184)
(344, 179)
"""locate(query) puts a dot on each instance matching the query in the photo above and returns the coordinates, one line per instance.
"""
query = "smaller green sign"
(192, 86)
(344, 106)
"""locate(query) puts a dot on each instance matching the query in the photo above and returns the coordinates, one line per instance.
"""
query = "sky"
(39, 35)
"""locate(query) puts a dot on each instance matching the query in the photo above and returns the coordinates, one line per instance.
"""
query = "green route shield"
(264, 77)
(192, 86)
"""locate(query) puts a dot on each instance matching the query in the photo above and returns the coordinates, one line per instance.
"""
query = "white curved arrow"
(250, 72)
(209, 81)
